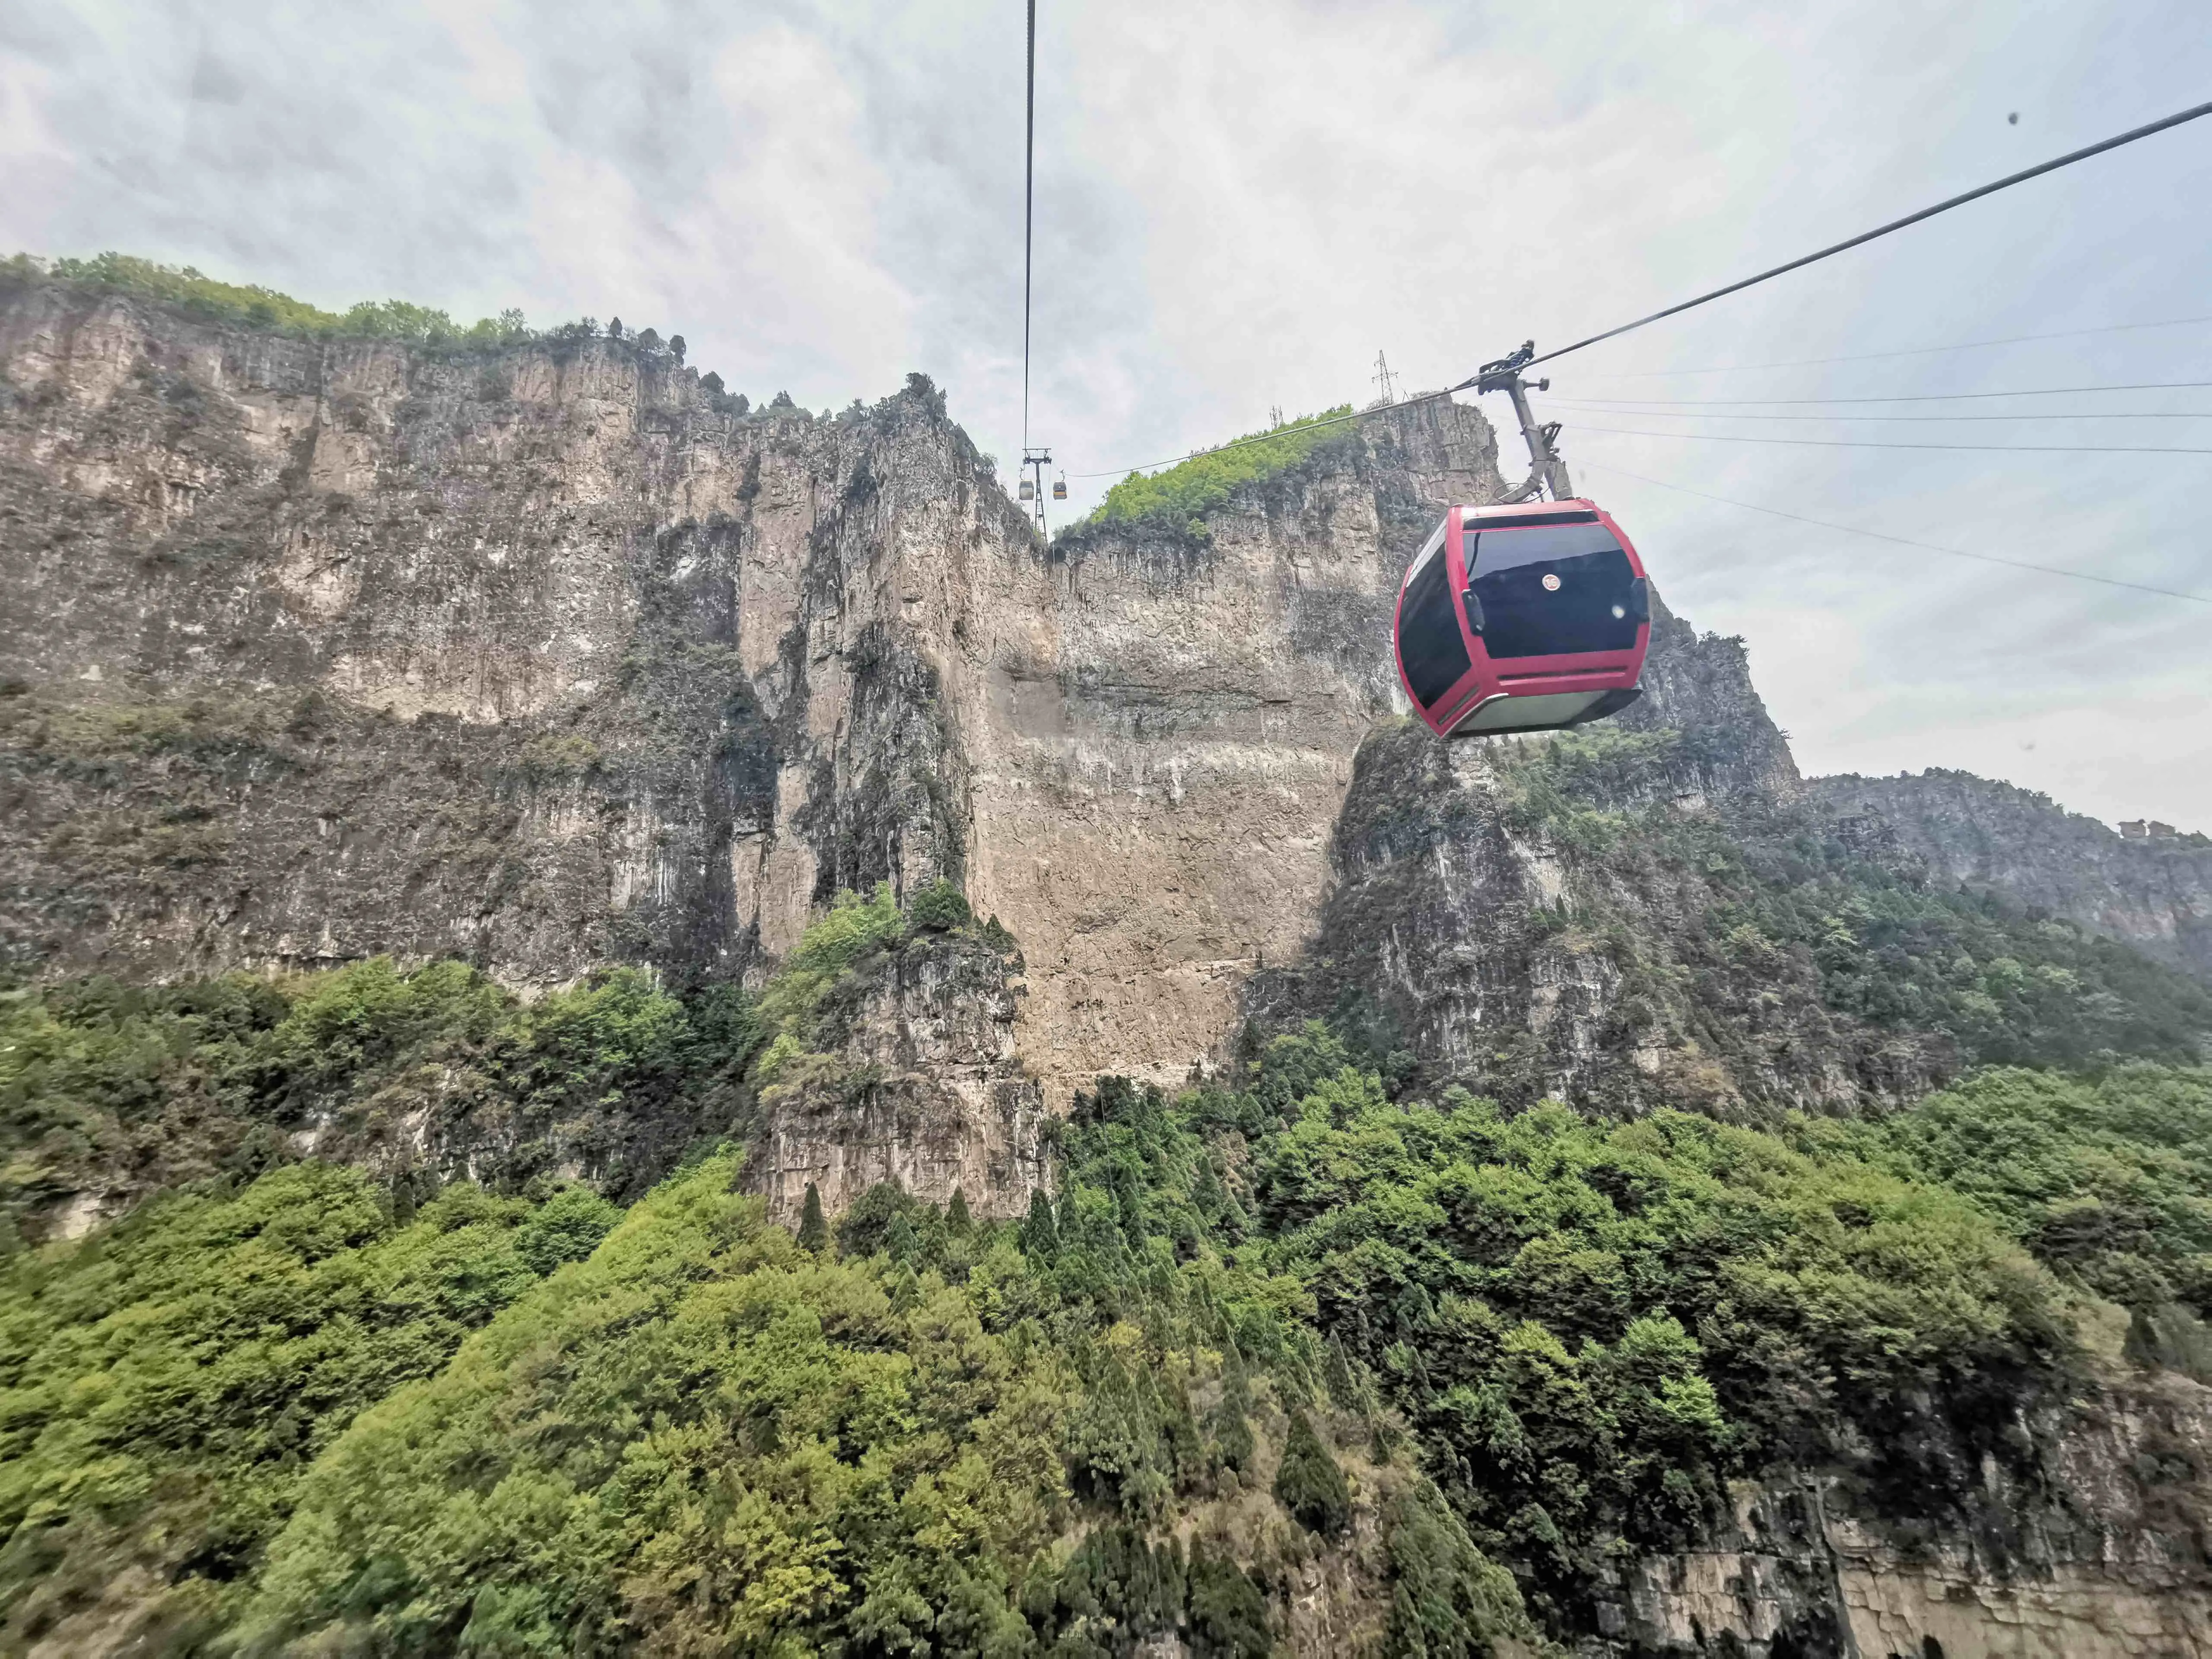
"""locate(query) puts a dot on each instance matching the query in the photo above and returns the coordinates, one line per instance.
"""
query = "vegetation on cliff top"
(1184, 494)
(250, 305)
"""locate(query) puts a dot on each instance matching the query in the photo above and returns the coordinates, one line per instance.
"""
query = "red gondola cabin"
(1522, 618)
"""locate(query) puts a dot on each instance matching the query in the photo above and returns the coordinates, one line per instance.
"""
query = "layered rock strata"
(2101, 1555)
(2154, 892)
(552, 657)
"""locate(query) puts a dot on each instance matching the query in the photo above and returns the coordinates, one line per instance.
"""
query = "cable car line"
(1029, 218)
(1870, 443)
(1906, 541)
(1864, 237)
(2010, 179)
(2046, 414)
(1901, 397)
(1915, 351)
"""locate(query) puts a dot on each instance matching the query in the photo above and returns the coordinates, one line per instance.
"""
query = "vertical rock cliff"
(2155, 891)
(552, 657)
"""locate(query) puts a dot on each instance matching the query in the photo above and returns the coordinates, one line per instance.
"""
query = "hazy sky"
(1239, 204)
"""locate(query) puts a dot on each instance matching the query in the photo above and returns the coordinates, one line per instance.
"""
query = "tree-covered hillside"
(1284, 1348)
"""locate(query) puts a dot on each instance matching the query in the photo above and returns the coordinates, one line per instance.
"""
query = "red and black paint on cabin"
(1522, 618)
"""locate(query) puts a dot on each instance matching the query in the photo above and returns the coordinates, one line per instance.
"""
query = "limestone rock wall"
(2103, 1555)
(1518, 943)
(926, 1089)
(552, 657)
(2154, 892)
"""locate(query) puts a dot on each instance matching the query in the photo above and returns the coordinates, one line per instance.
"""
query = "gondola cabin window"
(1551, 589)
(1429, 642)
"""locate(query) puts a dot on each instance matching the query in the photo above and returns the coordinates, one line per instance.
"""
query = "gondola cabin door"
(1522, 618)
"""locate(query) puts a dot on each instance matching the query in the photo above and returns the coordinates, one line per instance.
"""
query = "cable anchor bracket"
(1547, 471)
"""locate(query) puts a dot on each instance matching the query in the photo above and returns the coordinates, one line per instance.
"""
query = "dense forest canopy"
(1310, 1311)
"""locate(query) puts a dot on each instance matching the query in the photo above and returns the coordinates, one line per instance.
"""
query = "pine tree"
(1232, 1420)
(899, 1239)
(1309, 1484)
(1336, 1376)
(813, 1230)
(955, 1215)
(1040, 1237)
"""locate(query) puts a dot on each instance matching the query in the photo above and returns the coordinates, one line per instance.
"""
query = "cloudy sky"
(1239, 204)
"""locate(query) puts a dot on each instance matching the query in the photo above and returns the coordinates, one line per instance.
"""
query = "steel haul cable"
(1640, 404)
(1864, 237)
(1912, 351)
(1029, 215)
(1874, 443)
(1901, 541)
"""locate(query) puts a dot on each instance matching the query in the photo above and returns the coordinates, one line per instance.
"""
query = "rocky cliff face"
(2101, 1557)
(1552, 917)
(2153, 891)
(925, 1088)
(552, 657)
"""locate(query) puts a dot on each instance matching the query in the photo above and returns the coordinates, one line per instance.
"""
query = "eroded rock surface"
(551, 658)
(923, 1088)
(2100, 1554)
(2153, 891)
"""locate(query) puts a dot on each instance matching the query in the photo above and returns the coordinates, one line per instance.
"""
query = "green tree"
(1309, 1483)
(813, 1230)
(1040, 1234)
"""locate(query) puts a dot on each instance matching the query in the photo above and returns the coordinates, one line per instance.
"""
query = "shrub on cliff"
(1183, 494)
(2107, 1179)
(938, 907)
(124, 1090)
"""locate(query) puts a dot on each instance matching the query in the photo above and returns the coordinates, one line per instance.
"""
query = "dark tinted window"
(1501, 550)
(1592, 604)
(1522, 520)
(1428, 634)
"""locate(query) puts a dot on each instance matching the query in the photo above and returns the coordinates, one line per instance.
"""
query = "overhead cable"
(1903, 541)
(1029, 218)
(1912, 351)
(2010, 179)
(1870, 443)
(2039, 414)
(1901, 397)
(1863, 237)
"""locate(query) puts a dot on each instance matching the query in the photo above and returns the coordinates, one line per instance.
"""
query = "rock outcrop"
(2153, 891)
(923, 1087)
(2102, 1558)
(552, 657)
